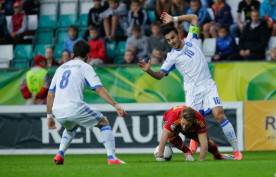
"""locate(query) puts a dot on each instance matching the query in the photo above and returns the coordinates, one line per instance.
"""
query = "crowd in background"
(243, 37)
(128, 20)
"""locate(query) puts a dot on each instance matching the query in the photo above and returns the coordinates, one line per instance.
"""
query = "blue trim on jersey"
(53, 90)
(96, 86)
(205, 113)
(93, 88)
(168, 71)
(107, 127)
(224, 123)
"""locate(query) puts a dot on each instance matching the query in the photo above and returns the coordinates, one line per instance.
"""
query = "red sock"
(178, 143)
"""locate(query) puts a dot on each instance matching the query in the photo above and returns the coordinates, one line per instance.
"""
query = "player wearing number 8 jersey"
(65, 103)
(187, 57)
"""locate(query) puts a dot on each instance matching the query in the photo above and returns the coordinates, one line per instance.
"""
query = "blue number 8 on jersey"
(65, 79)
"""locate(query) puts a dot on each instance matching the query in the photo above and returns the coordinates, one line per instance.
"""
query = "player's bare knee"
(218, 114)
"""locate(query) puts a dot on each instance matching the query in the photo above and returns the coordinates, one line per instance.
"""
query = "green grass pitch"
(255, 164)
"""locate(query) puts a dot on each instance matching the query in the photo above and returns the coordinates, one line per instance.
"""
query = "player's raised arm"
(191, 18)
(203, 141)
(146, 67)
(105, 95)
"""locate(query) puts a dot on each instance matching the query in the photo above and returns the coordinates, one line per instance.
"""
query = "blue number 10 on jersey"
(65, 79)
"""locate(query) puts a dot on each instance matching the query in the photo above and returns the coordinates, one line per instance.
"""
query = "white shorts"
(203, 97)
(86, 117)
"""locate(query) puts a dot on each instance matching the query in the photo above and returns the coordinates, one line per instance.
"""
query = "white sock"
(66, 139)
(230, 134)
(108, 141)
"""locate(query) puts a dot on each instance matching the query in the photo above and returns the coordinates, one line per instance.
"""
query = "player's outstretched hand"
(51, 123)
(166, 18)
(120, 111)
(145, 66)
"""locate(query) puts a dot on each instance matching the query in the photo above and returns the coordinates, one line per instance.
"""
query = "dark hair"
(157, 23)
(81, 49)
(136, 28)
(189, 114)
(226, 28)
(167, 28)
(136, 1)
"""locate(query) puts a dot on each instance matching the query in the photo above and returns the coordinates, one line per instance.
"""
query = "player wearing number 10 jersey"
(65, 103)
(200, 89)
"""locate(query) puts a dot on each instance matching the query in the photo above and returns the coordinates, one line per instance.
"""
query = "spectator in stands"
(137, 42)
(8, 6)
(18, 24)
(268, 13)
(115, 16)
(254, 38)
(71, 39)
(222, 13)
(97, 53)
(129, 57)
(245, 7)
(178, 7)
(272, 54)
(3, 25)
(65, 56)
(202, 13)
(137, 16)
(161, 6)
(156, 40)
(225, 45)
(49, 55)
(35, 86)
(31, 6)
(157, 56)
(94, 18)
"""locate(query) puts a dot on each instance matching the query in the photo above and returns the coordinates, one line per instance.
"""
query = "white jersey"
(189, 61)
(68, 85)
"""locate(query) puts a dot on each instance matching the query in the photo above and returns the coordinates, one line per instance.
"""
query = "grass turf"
(255, 164)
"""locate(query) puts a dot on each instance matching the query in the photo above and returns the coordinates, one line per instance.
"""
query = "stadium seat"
(272, 42)
(68, 7)
(85, 6)
(23, 52)
(49, 8)
(152, 16)
(48, 14)
(58, 51)
(32, 22)
(120, 51)
(110, 49)
(209, 48)
(47, 21)
(6, 55)
(40, 49)
(61, 35)
(67, 20)
(20, 64)
(44, 37)
(83, 20)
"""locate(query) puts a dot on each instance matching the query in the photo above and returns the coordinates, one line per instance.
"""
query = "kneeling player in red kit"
(191, 124)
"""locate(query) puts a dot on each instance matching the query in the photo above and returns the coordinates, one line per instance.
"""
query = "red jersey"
(172, 119)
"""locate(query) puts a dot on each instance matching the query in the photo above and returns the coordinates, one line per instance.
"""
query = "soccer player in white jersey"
(65, 103)
(200, 89)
